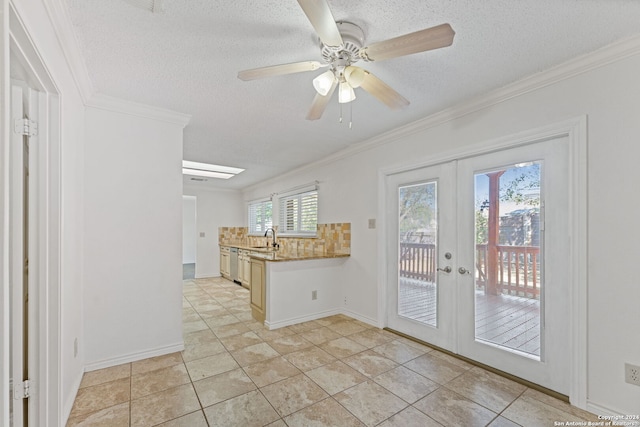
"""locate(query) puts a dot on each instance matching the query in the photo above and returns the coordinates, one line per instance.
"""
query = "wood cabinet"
(258, 289)
(244, 267)
(241, 256)
(225, 262)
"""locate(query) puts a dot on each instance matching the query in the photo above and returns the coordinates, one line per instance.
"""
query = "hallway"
(335, 371)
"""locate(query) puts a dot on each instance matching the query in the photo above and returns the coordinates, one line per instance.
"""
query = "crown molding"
(606, 55)
(63, 28)
(118, 105)
(188, 188)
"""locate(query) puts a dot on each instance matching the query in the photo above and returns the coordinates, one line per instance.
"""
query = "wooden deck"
(505, 320)
(418, 300)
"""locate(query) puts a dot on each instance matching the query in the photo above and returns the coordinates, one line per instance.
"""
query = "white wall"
(290, 286)
(610, 96)
(215, 208)
(188, 229)
(133, 236)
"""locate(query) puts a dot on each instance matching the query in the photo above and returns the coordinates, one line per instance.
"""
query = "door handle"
(447, 269)
(463, 270)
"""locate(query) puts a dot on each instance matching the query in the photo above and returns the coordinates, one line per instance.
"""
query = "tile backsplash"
(331, 239)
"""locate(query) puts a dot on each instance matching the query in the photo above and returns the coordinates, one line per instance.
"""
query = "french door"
(480, 258)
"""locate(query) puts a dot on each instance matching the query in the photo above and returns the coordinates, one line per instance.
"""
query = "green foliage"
(417, 207)
(518, 186)
(517, 190)
(482, 227)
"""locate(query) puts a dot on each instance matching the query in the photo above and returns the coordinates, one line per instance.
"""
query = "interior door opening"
(189, 237)
(25, 276)
(33, 262)
(22, 234)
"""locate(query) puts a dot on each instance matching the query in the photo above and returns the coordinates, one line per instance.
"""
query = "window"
(260, 216)
(299, 214)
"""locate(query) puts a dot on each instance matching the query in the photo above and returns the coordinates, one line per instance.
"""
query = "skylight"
(208, 170)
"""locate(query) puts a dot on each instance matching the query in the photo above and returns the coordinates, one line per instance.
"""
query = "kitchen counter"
(287, 293)
(276, 256)
(287, 286)
(269, 254)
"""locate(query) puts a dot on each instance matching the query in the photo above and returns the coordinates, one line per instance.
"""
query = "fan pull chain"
(351, 115)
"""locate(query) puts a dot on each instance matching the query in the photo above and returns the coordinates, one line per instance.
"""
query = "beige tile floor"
(335, 371)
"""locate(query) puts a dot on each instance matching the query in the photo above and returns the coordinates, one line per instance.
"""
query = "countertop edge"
(300, 258)
(284, 258)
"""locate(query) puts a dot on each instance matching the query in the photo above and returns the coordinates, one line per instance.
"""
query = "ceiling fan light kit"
(354, 75)
(323, 82)
(345, 93)
(341, 46)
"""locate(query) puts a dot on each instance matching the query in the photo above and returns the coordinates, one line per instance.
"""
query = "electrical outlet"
(632, 374)
(314, 294)
(345, 300)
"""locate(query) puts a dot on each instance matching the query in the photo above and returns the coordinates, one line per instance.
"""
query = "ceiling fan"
(341, 46)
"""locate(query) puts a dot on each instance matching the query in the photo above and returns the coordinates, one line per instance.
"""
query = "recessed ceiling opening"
(209, 170)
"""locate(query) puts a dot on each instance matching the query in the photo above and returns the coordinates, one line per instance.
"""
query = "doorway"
(189, 239)
(23, 259)
(479, 264)
(31, 246)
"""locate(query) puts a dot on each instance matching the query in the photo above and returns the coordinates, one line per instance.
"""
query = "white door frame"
(18, 49)
(5, 354)
(576, 132)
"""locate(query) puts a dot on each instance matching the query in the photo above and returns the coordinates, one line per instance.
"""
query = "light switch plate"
(202, 234)
(372, 223)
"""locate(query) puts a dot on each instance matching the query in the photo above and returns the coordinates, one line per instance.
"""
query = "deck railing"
(518, 267)
(418, 261)
(518, 270)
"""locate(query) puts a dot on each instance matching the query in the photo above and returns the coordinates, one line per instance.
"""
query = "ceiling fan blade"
(320, 103)
(383, 92)
(319, 13)
(420, 41)
(279, 70)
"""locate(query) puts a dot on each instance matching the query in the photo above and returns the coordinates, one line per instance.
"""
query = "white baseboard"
(367, 320)
(602, 410)
(133, 357)
(320, 315)
(300, 319)
(206, 276)
(71, 397)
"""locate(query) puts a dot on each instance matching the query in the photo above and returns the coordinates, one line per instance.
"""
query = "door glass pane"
(508, 258)
(418, 227)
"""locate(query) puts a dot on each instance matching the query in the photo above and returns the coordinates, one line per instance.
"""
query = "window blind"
(299, 214)
(260, 216)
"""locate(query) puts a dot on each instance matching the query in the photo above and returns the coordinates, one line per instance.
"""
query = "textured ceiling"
(186, 59)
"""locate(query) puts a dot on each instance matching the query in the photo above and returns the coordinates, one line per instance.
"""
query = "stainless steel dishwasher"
(233, 268)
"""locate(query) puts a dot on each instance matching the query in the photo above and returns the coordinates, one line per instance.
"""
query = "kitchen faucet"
(274, 243)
